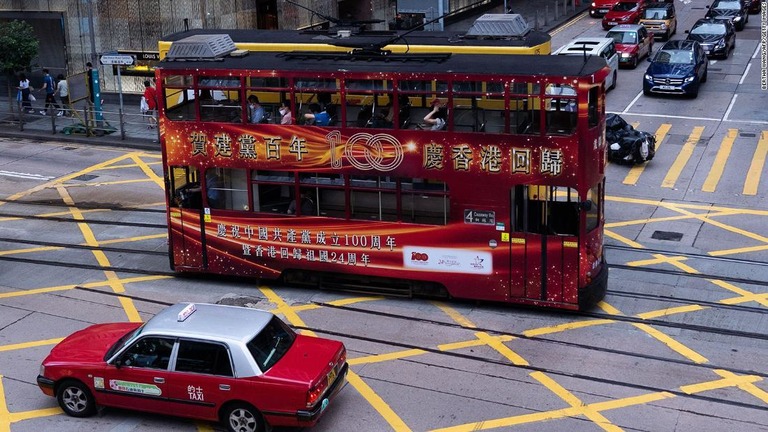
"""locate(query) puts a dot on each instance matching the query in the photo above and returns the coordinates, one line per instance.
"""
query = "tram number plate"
(480, 217)
(667, 87)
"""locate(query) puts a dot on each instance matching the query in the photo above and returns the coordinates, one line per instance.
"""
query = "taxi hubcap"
(75, 399)
(242, 420)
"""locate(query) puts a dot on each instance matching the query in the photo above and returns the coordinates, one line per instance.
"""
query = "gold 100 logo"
(381, 152)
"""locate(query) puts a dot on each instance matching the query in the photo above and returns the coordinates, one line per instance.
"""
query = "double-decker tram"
(464, 176)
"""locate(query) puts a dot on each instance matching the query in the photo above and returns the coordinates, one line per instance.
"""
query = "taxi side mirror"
(118, 362)
(586, 205)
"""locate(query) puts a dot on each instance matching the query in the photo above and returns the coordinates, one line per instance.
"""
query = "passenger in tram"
(256, 112)
(307, 205)
(437, 118)
(316, 116)
(286, 116)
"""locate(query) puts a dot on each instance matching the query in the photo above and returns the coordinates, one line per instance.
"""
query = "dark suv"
(717, 37)
(679, 67)
(734, 10)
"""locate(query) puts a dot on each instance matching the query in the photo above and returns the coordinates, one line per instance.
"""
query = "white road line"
(632, 103)
(730, 107)
(757, 50)
(691, 118)
(26, 175)
(744, 76)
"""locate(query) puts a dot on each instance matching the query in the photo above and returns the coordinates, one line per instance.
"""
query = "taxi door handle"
(159, 380)
(224, 387)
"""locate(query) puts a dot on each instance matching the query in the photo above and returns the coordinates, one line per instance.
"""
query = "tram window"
(329, 195)
(561, 111)
(272, 191)
(368, 110)
(179, 97)
(373, 205)
(227, 189)
(270, 91)
(220, 99)
(476, 108)
(267, 82)
(548, 210)
(592, 106)
(321, 179)
(372, 182)
(593, 212)
(424, 201)
(184, 182)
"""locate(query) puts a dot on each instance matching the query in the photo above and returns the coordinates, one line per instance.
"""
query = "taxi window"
(203, 357)
(148, 352)
(271, 344)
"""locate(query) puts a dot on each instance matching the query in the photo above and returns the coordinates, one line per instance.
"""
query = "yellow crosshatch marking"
(682, 158)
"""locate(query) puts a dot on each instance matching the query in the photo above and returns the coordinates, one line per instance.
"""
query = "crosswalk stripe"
(756, 167)
(682, 158)
(713, 178)
(634, 174)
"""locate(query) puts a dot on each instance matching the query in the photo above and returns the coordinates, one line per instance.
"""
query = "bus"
(503, 202)
(492, 34)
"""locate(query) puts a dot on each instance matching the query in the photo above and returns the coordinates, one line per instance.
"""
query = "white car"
(595, 46)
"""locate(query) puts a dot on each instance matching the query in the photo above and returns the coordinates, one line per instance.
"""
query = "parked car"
(660, 19)
(624, 12)
(633, 42)
(679, 67)
(599, 8)
(733, 10)
(717, 37)
(625, 145)
(592, 46)
(754, 6)
(242, 366)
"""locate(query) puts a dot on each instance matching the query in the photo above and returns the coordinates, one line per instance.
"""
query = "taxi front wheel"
(75, 399)
(241, 417)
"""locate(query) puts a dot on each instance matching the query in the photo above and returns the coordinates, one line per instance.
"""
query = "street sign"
(117, 59)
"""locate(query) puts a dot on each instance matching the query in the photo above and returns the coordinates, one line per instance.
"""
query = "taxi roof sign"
(186, 312)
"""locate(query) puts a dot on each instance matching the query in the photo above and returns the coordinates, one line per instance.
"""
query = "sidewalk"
(137, 135)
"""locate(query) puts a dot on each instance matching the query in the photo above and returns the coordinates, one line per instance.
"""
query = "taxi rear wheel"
(241, 417)
(75, 399)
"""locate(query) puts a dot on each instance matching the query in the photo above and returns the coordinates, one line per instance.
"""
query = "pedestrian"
(50, 90)
(150, 95)
(26, 104)
(62, 87)
(89, 78)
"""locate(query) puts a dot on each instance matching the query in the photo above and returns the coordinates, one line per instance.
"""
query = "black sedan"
(716, 36)
(734, 10)
(679, 67)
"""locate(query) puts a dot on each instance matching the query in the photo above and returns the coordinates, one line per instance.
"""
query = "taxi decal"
(134, 387)
(98, 382)
(195, 393)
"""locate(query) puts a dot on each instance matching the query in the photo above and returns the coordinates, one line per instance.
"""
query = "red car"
(624, 12)
(243, 367)
(599, 8)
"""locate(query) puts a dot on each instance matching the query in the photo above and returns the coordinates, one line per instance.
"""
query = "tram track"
(498, 362)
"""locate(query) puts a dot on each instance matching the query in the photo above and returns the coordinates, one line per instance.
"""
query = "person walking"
(50, 89)
(26, 104)
(62, 87)
(150, 95)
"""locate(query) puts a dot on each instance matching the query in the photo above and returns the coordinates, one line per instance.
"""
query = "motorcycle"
(625, 144)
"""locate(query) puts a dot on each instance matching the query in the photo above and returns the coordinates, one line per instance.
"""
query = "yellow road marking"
(148, 171)
(689, 206)
(102, 243)
(626, 241)
(455, 315)
(374, 399)
(32, 344)
(745, 385)
(5, 415)
(564, 327)
(385, 357)
(731, 380)
(574, 402)
(98, 284)
(671, 311)
(682, 158)
(45, 215)
(634, 174)
(734, 251)
(719, 164)
(744, 295)
(756, 167)
(26, 415)
(664, 219)
(672, 344)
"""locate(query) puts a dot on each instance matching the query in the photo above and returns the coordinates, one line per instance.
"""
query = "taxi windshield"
(623, 37)
(625, 6)
(655, 14)
(733, 5)
(271, 344)
(123, 341)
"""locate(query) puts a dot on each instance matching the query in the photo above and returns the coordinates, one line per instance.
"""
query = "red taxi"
(633, 42)
(599, 8)
(243, 367)
(624, 12)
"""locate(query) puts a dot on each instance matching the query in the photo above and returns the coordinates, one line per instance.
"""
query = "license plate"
(667, 87)
(602, 10)
(331, 376)
(612, 23)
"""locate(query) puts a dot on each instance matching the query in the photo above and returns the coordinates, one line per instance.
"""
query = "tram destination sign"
(480, 217)
(116, 59)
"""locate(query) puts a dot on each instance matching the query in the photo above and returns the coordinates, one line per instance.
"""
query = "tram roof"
(490, 65)
(441, 38)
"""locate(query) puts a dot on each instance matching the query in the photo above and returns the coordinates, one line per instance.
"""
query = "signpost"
(119, 60)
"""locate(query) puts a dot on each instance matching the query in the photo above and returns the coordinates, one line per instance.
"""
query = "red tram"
(501, 200)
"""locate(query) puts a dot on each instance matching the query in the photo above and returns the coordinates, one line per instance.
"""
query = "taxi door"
(137, 379)
(202, 379)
